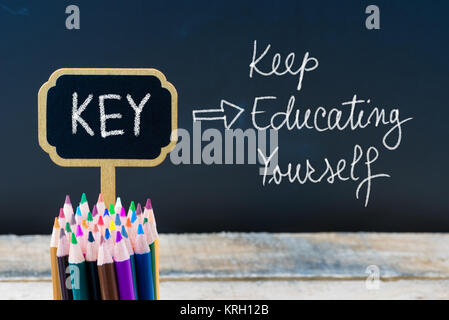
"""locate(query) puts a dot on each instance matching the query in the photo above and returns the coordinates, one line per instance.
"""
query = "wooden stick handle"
(108, 184)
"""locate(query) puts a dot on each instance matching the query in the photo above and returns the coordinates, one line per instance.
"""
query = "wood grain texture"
(263, 256)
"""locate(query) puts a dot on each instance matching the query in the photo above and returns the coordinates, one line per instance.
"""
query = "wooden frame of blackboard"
(107, 165)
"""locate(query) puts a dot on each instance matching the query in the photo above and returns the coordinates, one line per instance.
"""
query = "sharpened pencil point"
(91, 237)
(74, 239)
(124, 233)
(112, 225)
(140, 229)
(78, 211)
(100, 198)
(79, 231)
(96, 228)
(122, 212)
(61, 213)
(148, 205)
(67, 227)
(132, 206)
(94, 210)
(67, 200)
(101, 240)
(111, 209)
(56, 223)
(89, 216)
(118, 236)
(133, 217)
(107, 234)
(62, 233)
(118, 222)
(72, 221)
(139, 209)
(83, 198)
(128, 223)
(145, 220)
(106, 212)
(84, 224)
(100, 221)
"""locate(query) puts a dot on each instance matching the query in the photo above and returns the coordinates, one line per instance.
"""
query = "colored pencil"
(123, 216)
(78, 272)
(118, 205)
(100, 204)
(68, 209)
(80, 238)
(131, 258)
(154, 245)
(54, 260)
(123, 269)
(61, 217)
(78, 215)
(84, 206)
(143, 266)
(92, 270)
(63, 262)
(106, 273)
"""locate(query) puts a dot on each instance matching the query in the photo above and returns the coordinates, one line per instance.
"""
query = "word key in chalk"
(78, 109)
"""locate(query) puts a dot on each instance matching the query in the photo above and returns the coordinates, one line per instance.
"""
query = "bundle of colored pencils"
(106, 253)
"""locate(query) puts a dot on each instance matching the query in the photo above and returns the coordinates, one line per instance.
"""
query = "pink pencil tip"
(100, 198)
(122, 212)
(61, 213)
(67, 199)
(148, 205)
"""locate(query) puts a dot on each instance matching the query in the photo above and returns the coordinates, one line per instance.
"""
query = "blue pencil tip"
(107, 234)
(91, 237)
(133, 217)
(78, 211)
(106, 213)
(124, 233)
(140, 229)
(118, 222)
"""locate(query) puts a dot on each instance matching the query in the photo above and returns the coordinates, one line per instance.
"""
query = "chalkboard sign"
(107, 118)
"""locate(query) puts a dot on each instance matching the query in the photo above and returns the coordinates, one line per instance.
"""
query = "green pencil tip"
(83, 198)
(145, 220)
(67, 227)
(74, 239)
(89, 216)
(132, 206)
(111, 209)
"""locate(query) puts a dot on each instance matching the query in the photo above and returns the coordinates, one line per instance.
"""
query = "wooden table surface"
(264, 266)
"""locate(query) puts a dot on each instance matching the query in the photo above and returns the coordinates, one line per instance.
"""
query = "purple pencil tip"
(79, 231)
(67, 199)
(139, 209)
(118, 236)
(94, 210)
(122, 212)
(148, 205)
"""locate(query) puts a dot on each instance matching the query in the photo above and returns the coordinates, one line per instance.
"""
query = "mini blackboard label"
(114, 117)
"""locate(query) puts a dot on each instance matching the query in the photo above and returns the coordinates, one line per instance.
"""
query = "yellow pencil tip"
(56, 224)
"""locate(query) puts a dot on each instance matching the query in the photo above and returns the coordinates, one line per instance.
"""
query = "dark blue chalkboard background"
(204, 48)
(154, 123)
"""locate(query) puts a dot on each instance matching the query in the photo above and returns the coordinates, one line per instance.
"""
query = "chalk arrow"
(226, 108)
